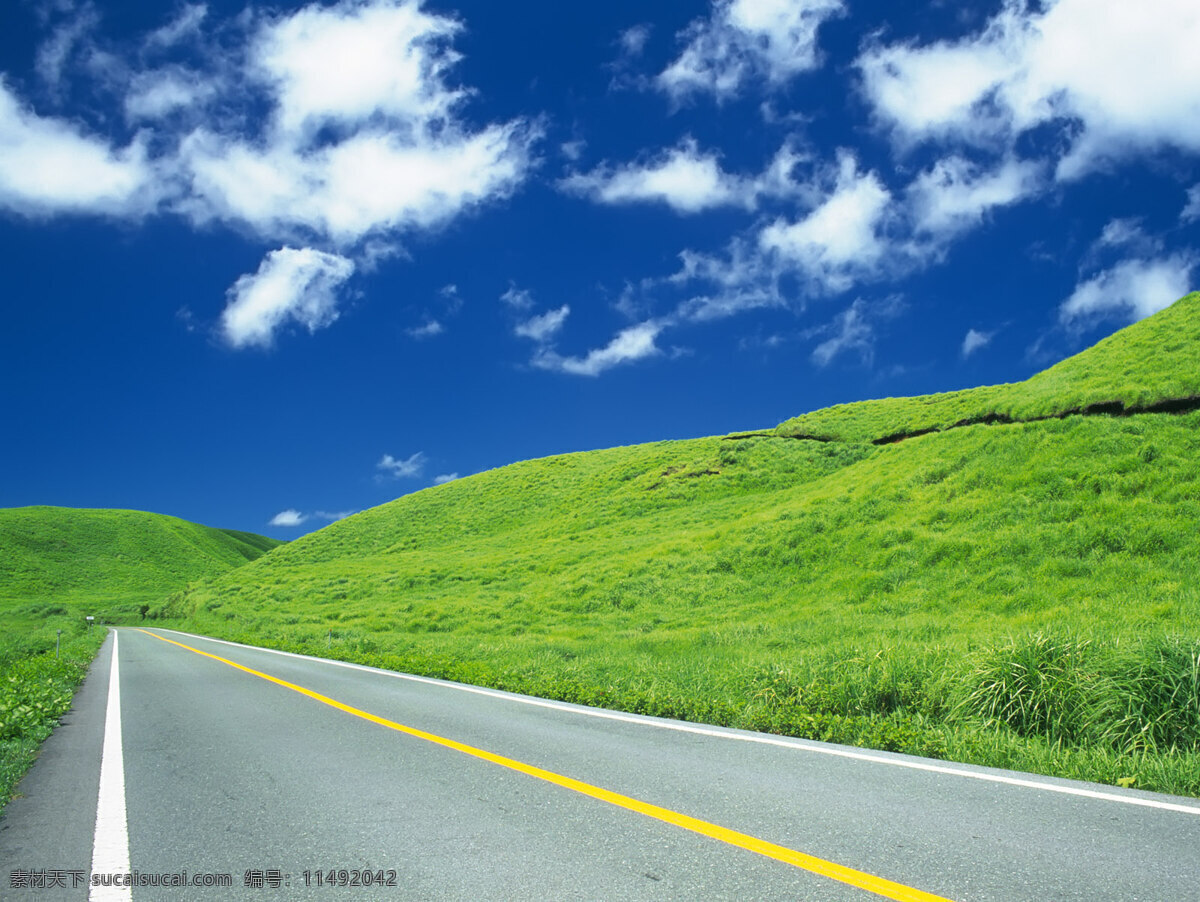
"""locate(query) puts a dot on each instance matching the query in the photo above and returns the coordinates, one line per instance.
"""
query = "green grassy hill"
(1016, 588)
(58, 565)
(106, 557)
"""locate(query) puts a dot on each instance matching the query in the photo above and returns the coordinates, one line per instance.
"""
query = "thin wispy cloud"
(1191, 210)
(545, 327)
(407, 468)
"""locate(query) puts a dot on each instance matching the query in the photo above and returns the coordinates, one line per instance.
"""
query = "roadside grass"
(37, 684)
(1009, 595)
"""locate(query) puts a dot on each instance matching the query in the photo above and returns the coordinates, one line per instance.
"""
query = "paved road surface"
(264, 766)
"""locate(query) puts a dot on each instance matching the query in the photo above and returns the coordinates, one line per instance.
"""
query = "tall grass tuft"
(1149, 698)
(1035, 685)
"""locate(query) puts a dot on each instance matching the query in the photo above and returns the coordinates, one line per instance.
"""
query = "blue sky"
(268, 265)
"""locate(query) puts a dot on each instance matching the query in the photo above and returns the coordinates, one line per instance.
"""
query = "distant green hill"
(1012, 585)
(110, 561)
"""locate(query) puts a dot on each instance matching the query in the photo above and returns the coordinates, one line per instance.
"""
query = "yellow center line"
(859, 879)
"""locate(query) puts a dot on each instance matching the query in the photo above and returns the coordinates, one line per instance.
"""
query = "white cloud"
(974, 341)
(428, 329)
(48, 166)
(451, 299)
(373, 181)
(1132, 289)
(1191, 211)
(517, 298)
(288, 517)
(350, 62)
(771, 39)
(633, 40)
(402, 469)
(292, 517)
(842, 239)
(1122, 232)
(332, 126)
(290, 284)
(544, 327)
(444, 478)
(1117, 78)
(955, 195)
(685, 179)
(629, 345)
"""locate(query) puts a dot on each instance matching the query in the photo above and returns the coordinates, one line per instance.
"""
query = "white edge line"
(110, 845)
(723, 733)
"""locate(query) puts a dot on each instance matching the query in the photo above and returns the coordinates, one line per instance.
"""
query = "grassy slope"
(841, 590)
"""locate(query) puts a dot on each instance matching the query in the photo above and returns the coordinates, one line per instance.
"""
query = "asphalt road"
(284, 771)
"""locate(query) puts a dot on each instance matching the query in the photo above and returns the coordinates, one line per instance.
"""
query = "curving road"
(286, 777)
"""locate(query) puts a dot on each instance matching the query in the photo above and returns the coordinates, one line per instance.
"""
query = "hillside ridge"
(1151, 366)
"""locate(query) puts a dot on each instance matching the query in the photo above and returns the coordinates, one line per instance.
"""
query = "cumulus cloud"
(49, 166)
(955, 195)
(288, 517)
(742, 39)
(1114, 78)
(402, 469)
(290, 285)
(1132, 290)
(373, 181)
(974, 340)
(842, 238)
(331, 126)
(348, 63)
(683, 178)
(631, 344)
